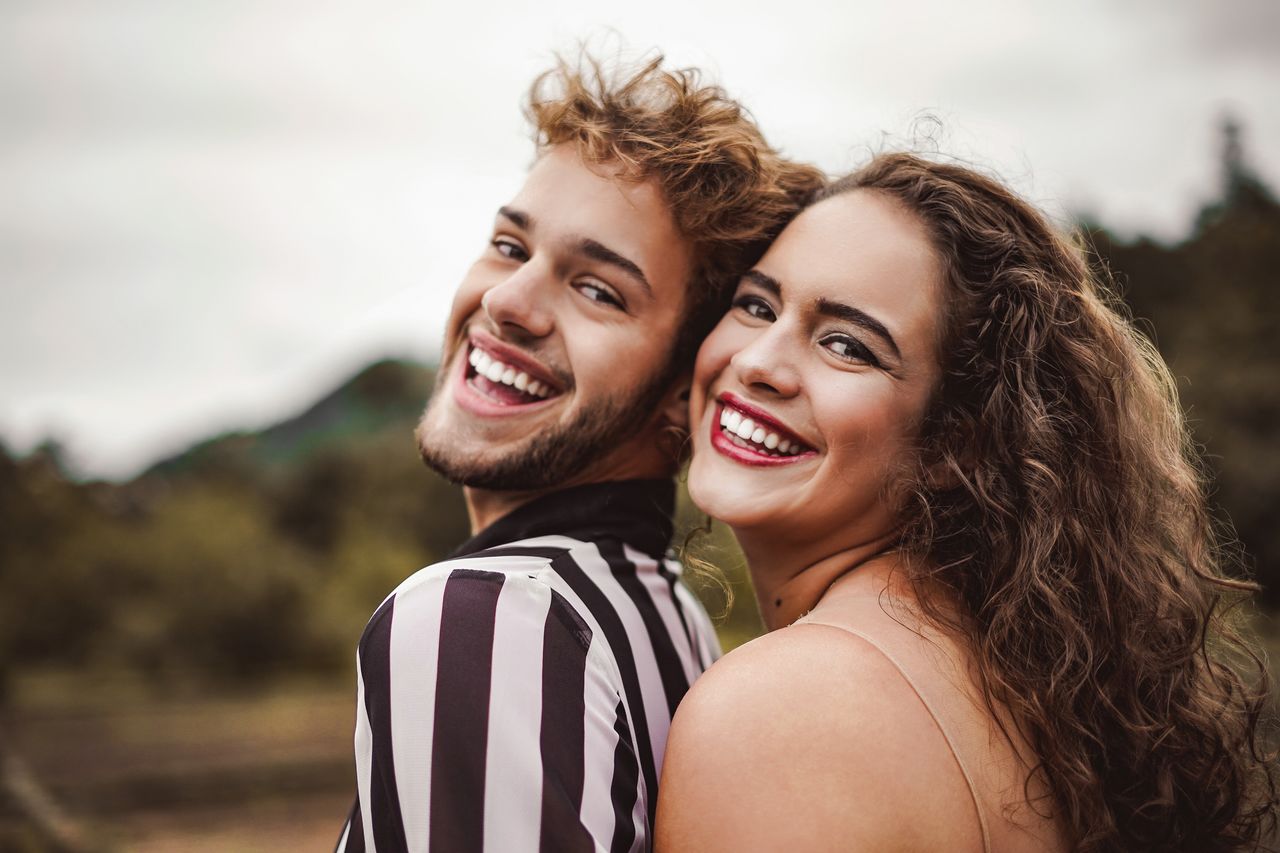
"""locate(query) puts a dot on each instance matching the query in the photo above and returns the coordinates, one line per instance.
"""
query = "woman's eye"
(596, 293)
(756, 307)
(510, 249)
(850, 349)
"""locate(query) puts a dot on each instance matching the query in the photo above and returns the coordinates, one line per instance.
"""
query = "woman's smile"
(750, 435)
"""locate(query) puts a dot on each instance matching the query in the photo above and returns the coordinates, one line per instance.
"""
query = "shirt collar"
(637, 512)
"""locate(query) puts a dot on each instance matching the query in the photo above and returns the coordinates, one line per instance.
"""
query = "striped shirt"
(517, 696)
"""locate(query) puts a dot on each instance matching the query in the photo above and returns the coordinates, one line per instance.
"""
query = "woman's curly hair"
(1059, 497)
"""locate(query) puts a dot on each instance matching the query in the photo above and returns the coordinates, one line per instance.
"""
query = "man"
(517, 696)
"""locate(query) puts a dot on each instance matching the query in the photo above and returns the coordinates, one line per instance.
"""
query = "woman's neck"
(790, 580)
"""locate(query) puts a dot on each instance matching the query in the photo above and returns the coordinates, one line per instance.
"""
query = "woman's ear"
(944, 475)
(953, 466)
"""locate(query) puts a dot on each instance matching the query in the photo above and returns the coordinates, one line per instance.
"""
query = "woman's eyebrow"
(858, 317)
(830, 308)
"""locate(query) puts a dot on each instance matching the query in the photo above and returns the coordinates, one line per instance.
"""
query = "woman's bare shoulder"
(771, 672)
(810, 737)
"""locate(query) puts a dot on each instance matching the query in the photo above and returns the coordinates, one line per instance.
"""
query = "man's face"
(558, 348)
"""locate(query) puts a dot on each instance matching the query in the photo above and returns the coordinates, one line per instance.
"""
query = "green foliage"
(716, 571)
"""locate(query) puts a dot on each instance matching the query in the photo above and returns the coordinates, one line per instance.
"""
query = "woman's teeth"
(745, 430)
(495, 371)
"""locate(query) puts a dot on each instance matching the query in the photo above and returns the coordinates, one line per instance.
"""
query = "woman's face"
(808, 394)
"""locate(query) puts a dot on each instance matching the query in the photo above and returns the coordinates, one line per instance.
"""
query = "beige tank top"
(938, 670)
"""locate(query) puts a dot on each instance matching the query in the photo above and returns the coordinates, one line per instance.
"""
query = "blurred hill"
(387, 394)
(258, 553)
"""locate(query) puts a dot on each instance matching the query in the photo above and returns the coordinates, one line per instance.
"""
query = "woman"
(979, 540)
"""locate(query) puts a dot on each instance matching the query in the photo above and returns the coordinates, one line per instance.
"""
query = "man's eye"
(597, 293)
(850, 349)
(510, 249)
(756, 307)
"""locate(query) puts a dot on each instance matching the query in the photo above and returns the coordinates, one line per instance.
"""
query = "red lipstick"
(749, 453)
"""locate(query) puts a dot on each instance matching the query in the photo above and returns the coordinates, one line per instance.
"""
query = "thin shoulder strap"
(987, 746)
(942, 705)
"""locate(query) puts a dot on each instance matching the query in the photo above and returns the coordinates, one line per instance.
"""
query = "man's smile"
(497, 379)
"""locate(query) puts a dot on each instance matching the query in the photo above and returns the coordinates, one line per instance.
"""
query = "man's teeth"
(495, 371)
(732, 422)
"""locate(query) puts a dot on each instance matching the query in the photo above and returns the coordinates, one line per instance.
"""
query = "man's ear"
(673, 420)
(673, 412)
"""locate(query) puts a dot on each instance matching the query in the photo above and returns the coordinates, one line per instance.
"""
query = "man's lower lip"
(726, 447)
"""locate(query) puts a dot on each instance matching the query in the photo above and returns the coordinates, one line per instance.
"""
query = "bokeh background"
(229, 233)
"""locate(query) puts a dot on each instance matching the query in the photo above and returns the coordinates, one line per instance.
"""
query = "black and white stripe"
(518, 698)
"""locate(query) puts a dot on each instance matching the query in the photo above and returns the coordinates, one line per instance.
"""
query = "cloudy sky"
(213, 210)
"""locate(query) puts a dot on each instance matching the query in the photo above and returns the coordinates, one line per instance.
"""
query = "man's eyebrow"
(518, 217)
(830, 308)
(600, 252)
(767, 282)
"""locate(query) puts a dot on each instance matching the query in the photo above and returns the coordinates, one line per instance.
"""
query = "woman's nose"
(768, 364)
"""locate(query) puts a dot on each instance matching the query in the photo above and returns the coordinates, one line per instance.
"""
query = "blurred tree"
(309, 507)
(1210, 304)
(52, 602)
(249, 555)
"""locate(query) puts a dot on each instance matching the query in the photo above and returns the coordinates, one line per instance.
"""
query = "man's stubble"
(555, 455)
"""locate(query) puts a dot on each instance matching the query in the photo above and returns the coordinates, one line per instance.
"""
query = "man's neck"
(485, 506)
(634, 461)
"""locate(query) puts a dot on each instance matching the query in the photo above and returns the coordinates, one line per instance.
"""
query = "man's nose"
(520, 305)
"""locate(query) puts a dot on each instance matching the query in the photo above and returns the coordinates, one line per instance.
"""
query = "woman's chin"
(700, 492)
(721, 496)
(705, 493)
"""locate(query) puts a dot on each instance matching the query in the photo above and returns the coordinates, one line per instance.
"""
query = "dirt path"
(139, 771)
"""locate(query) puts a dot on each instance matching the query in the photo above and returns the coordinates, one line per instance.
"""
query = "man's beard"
(557, 454)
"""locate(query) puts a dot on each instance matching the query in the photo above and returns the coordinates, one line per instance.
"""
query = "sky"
(213, 211)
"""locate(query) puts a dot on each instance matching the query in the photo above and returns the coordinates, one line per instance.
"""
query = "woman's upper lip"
(513, 357)
(761, 417)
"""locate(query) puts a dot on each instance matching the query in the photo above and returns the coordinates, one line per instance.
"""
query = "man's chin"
(513, 471)
(466, 456)
(547, 459)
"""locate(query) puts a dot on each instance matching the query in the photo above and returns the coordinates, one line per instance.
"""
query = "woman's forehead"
(865, 249)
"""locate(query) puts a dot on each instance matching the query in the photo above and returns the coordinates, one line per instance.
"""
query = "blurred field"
(144, 770)
(201, 772)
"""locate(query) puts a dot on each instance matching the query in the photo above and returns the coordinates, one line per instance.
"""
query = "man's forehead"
(560, 173)
(565, 191)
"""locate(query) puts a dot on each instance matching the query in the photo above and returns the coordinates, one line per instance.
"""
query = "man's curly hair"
(730, 192)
